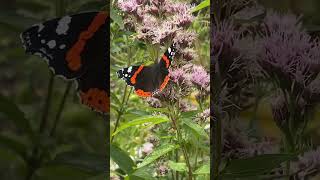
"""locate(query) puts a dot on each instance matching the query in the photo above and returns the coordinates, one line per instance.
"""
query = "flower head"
(129, 6)
(287, 51)
(147, 148)
(200, 77)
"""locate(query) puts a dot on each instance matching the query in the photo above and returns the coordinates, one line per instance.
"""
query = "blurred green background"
(77, 147)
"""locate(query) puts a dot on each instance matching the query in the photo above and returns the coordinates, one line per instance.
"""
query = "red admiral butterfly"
(148, 80)
(77, 48)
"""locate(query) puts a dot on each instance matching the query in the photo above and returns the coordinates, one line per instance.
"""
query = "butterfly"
(76, 47)
(148, 80)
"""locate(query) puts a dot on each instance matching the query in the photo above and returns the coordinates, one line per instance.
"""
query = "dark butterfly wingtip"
(119, 74)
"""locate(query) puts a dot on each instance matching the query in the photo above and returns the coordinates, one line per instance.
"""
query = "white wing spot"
(63, 25)
(51, 44)
(125, 75)
(43, 41)
(169, 50)
(130, 69)
(62, 46)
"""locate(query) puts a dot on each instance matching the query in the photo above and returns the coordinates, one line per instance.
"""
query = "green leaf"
(205, 169)
(91, 6)
(102, 176)
(147, 119)
(88, 161)
(254, 166)
(115, 99)
(181, 167)
(62, 172)
(189, 114)
(142, 173)
(202, 5)
(13, 145)
(121, 158)
(12, 112)
(15, 21)
(32, 6)
(196, 128)
(157, 153)
(116, 17)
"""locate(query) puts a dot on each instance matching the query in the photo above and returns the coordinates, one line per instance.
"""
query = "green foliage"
(122, 159)
(254, 166)
(153, 120)
(157, 153)
(202, 5)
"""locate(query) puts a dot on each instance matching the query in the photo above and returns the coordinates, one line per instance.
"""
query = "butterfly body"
(148, 80)
(77, 48)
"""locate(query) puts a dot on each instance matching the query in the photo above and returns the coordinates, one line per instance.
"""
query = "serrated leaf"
(157, 153)
(205, 169)
(12, 112)
(121, 158)
(181, 167)
(89, 161)
(196, 128)
(255, 166)
(202, 5)
(139, 121)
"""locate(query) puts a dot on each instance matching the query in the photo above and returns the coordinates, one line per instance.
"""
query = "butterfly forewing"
(76, 47)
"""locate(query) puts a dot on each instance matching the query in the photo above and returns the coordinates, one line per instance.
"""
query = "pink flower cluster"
(158, 21)
(288, 49)
(191, 74)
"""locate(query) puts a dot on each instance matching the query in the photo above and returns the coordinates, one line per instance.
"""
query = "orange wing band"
(96, 99)
(73, 55)
(165, 58)
(134, 77)
(165, 82)
(142, 93)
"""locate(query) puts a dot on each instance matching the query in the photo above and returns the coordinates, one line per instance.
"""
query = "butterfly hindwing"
(93, 84)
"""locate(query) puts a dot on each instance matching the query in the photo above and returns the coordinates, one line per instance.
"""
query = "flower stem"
(175, 119)
(61, 106)
(44, 118)
(125, 99)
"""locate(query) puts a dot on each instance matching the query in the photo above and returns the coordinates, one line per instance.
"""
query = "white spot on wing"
(43, 41)
(62, 46)
(63, 25)
(169, 50)
(130, 69)
(51, 44)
